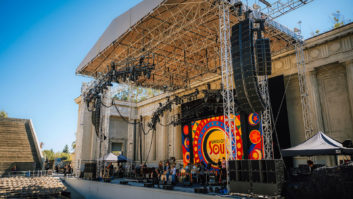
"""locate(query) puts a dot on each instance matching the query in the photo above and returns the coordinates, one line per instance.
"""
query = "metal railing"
(29, 173)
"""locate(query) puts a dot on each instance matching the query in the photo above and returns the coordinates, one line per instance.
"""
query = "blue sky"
(42, 42)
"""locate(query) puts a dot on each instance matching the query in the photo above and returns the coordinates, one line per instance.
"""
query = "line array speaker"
(246, 86)
(263, 56)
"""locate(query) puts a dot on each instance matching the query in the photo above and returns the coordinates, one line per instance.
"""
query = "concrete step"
(16, 143)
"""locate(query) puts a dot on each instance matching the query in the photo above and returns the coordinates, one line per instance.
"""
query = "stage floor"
(94, 189)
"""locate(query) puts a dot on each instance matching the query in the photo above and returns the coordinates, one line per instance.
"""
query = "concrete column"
(105, 121)
(171, 141)
(176, 133)
(150, 144)
(165, 139)
(314, 100)
(349, 70)
(130, 140)
(161, 149)
(178, 143)
(86, 130)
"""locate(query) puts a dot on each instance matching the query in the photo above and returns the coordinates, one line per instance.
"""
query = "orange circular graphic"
(255, 136)
(256, 154)
(186, 130)
(187, 157)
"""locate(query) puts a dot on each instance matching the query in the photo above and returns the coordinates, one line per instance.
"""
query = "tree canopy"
(66, 149)
(3, 114)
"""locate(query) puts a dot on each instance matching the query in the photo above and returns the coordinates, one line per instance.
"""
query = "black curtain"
(277, 94)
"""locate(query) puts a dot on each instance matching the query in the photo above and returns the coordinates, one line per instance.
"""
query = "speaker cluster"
(263, 56)
(242, 47)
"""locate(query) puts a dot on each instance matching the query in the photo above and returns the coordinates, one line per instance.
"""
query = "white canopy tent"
(319, 144)
(110, 158)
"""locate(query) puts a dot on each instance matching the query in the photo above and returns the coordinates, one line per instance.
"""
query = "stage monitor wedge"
(242, 47)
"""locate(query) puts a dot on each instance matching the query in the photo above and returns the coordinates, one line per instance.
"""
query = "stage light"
(218, 98)
(205, 98)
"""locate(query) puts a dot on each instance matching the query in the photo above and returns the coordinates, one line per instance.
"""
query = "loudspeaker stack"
(263, 56)
(242, 48)
(256, 176)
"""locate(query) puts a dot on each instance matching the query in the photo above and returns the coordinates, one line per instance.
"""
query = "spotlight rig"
(212, 93)
(212, 100)
(168, 106)
(130, 69)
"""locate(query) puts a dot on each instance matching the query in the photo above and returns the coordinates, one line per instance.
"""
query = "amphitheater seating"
(30, 187)
(17, 146)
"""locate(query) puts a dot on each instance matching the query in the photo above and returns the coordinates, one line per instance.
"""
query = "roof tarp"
(122, 158)
(110, 158)
(118, 27)
(319, 144)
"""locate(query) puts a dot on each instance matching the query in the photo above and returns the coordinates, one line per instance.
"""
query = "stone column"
(161, 134)
(85, 131)
(106, 100)
(314, 100)
(176, 135)
(150, 144)
(130, 140)
(349, 70)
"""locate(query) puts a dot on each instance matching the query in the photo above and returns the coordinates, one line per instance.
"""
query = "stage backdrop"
(204, 140)
(254, 130)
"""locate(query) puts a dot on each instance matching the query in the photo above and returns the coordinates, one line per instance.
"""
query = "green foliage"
(63, 156)
(73, 145)
(135, 93)
(338, 19)
(66, 149)
(3, 114)
(49, 154)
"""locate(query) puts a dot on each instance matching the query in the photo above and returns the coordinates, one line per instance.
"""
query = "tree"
(66, 149)
(338, 19)
(73, 145)
(49, 154)
(63, 156)
(3, 114)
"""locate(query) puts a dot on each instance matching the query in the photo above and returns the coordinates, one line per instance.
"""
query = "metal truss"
(266, 119)
(180, 35)
(227, 82)
(279, 31)
(304, 97)
(227, 74)
(282, 7)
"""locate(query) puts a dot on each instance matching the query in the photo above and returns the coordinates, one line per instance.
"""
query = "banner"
(255, 137)
(209, 142)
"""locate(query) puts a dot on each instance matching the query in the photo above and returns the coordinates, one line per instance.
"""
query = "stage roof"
(183, 36)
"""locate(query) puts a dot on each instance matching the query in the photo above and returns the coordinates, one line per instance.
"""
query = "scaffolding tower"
(304, 96)
(276, 9)
(227, 78)
(266, 119)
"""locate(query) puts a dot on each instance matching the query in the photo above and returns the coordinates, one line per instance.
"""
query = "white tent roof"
(110, 157)
(319, 144)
